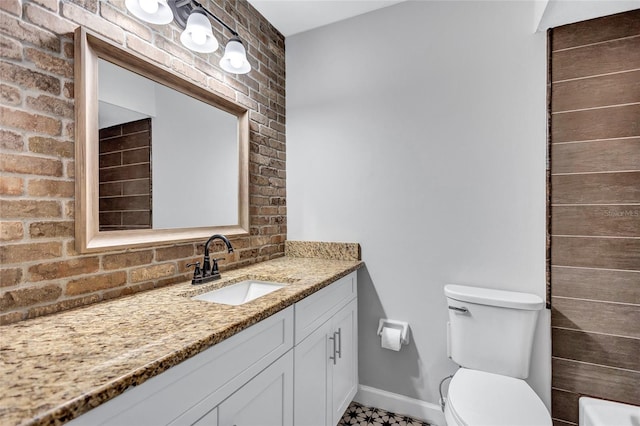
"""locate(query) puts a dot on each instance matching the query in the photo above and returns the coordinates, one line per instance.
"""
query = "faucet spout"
(210, 272)
(217, 237)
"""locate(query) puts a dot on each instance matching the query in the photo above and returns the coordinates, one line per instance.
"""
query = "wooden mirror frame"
(88, 238)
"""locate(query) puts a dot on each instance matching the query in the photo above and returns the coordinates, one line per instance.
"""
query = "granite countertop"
(57, 367)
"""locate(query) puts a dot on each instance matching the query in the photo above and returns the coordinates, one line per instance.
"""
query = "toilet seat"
(477, 398)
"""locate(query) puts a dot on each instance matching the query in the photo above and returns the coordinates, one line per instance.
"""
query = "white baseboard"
(400, 404)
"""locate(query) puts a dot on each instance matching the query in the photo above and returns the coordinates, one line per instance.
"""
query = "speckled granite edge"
(56, 368)
(322, 250)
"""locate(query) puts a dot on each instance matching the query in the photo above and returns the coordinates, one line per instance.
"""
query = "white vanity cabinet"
(188, 392)
(257, 377)
(267, 400)
(344, 371)
(326, 354)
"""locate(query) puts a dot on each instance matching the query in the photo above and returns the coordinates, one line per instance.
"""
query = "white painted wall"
(419, 131)
(123, 96)
(194, 163)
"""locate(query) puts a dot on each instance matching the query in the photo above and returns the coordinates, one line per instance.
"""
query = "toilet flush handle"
(457, 309)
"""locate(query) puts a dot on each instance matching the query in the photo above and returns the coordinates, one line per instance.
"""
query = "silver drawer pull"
(462, 310)
(333, 339)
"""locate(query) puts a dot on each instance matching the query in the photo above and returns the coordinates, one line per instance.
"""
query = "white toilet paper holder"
(400, 325)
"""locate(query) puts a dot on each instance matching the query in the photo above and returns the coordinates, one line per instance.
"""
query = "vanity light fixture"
(198, 36)
(153, 11)
(235, 57)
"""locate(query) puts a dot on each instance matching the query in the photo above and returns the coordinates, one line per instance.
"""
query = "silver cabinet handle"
(333, 339)
(339, 333)
(462, 310)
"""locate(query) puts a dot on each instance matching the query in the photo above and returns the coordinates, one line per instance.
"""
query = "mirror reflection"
(166, 159)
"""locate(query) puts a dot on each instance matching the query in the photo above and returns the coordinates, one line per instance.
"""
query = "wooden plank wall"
(595, 212)
(125, 176)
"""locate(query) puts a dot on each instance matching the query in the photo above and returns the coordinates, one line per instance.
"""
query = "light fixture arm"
(197, 4)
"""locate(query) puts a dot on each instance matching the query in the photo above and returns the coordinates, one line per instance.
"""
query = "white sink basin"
(239, 293)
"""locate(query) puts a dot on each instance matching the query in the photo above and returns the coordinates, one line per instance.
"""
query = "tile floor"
(360, 415)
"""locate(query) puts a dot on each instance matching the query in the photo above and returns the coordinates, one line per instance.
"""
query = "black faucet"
(208, 272)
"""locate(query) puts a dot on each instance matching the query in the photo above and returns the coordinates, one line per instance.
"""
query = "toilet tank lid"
(494, 297)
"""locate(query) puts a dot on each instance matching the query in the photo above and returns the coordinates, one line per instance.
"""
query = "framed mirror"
(159, 159)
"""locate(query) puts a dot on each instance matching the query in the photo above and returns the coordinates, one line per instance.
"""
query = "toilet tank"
(491, 330)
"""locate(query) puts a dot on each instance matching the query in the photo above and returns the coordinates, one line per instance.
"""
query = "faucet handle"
(215, 270)
(196, 272)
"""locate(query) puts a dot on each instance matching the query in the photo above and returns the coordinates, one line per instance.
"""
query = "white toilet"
(490, 334)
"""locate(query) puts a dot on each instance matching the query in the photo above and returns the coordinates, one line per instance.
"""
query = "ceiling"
(295, 16)
(562, 12)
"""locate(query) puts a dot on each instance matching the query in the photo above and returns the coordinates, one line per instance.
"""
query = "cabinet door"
(315, 310)
(266, 400)
(209, 419)
(311, 361)
(344, 374)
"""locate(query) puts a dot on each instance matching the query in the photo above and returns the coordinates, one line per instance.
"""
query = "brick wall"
(40, 272)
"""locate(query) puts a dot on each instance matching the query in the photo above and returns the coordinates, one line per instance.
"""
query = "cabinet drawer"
(176, 396)
(313, 311)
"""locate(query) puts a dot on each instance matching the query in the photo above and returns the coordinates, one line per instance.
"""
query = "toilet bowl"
(478, 398)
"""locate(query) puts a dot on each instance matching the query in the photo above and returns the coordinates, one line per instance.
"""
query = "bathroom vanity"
(163, 357)
(250, 378)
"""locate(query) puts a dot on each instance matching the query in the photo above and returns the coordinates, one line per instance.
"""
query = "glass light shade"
(235, 58)
(197, 35)
(152, 11)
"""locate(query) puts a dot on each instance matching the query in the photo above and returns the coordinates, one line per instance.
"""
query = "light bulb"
(235, 57)
(236, 61)
(199, 37)
(149, 6)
